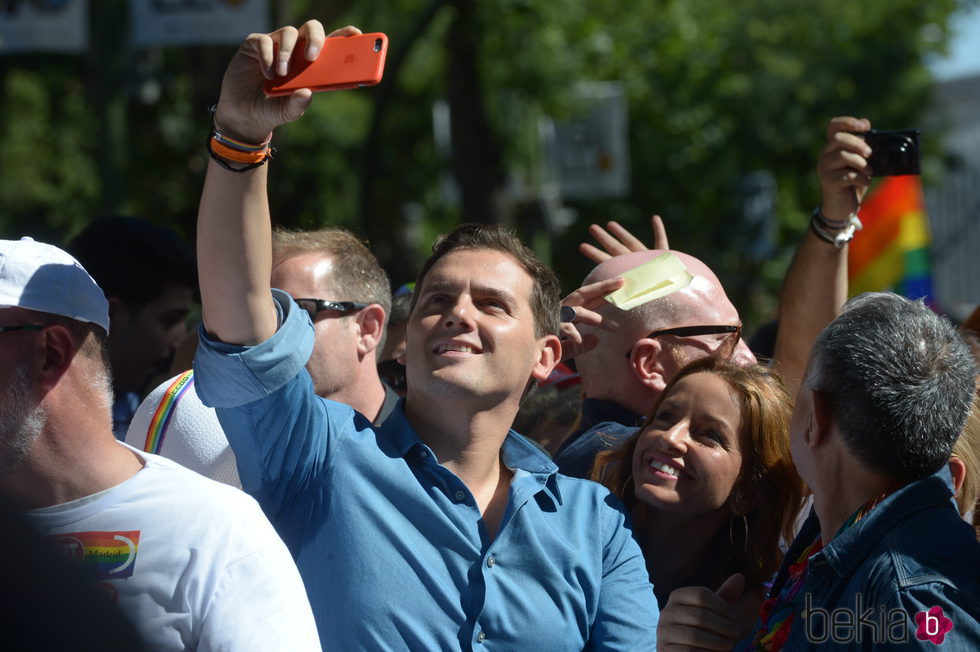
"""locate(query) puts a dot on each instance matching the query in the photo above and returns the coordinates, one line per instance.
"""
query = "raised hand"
(843, 167)
(244, 111)
(617, 240)
(696, 618)
(584, 301)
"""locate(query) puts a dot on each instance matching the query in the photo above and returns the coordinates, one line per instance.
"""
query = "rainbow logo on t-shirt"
(108, 555)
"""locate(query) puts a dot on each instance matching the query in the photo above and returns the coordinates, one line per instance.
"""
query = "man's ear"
(648, 365)
(957, 468)
(371, 325)
(549, 356)
(821, 418)
(58, 350)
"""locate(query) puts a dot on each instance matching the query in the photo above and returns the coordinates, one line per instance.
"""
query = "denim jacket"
(604, 425)
(880, 581)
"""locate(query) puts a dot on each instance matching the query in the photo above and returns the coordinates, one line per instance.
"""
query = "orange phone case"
(344, 62)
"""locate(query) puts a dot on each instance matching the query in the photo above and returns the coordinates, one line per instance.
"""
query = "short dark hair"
(134, 260)
(545, 296)
(899, 381)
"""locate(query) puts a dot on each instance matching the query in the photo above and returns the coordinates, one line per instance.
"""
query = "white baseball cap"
(41, 277)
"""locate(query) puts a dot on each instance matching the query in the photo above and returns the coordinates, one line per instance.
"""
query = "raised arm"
(233, 230)
(815, 286)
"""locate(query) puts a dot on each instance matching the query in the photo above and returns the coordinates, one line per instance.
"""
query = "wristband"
(843, 236)
(223, 149)
(825, 221)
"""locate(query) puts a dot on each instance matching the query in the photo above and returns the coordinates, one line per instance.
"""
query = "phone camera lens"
(377, 45)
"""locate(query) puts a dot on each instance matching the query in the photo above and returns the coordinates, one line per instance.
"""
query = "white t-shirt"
(194, 563)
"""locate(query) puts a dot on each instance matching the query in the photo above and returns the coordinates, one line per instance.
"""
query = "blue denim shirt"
(911, 553)
(391, 545)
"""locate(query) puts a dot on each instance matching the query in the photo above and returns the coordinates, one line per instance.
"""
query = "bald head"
(606, 371)
(619, 265)
(703, 301)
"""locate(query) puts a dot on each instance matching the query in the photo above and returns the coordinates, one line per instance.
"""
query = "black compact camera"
(893, 152)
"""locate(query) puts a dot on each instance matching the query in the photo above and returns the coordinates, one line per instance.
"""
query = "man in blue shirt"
(441, 529)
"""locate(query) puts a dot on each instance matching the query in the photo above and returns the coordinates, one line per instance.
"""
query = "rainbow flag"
(892, 251)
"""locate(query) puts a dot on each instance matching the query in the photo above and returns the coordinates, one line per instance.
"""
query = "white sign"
(43, 26)
(589, 154)
(164, 23)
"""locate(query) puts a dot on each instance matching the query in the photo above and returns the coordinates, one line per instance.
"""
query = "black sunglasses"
(25, 327)
(689, 331)
(316, 306)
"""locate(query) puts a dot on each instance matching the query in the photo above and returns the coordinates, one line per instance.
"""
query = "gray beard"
(21, 420)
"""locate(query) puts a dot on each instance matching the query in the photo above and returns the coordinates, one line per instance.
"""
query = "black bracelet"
(828, 223)
(265, 149)
(823, 235)
(843, 235)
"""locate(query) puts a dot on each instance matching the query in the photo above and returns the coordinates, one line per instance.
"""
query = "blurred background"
(545, 114)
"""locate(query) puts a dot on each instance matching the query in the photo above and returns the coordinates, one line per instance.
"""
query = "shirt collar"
(398, 430)
(848, 550)
(517, 453)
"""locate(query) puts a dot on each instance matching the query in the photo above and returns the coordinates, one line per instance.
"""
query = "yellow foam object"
(657, 278)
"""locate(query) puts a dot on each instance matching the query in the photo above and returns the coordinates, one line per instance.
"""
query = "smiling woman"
(709, 481)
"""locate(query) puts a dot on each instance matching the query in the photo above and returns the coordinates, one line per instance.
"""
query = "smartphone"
(344, 62)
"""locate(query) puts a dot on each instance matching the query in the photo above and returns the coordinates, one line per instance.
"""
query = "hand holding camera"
(843, 167)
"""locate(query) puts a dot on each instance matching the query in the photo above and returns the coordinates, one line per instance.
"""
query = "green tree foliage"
(715, 90)
(49, 178)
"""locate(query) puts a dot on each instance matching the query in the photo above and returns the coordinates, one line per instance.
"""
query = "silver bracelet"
(843, 236)
(818, 215)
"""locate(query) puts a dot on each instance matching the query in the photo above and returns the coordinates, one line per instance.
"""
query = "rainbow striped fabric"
(892, 251)
(164, 413)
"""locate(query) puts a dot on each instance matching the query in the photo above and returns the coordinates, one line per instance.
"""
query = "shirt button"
(460, 495)
(482, 636)
(491, 562)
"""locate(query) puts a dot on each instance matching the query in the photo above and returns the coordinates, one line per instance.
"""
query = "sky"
(964, 50)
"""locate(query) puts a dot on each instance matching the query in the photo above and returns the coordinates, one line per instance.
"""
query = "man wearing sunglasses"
(321, 270)
(340, 284)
